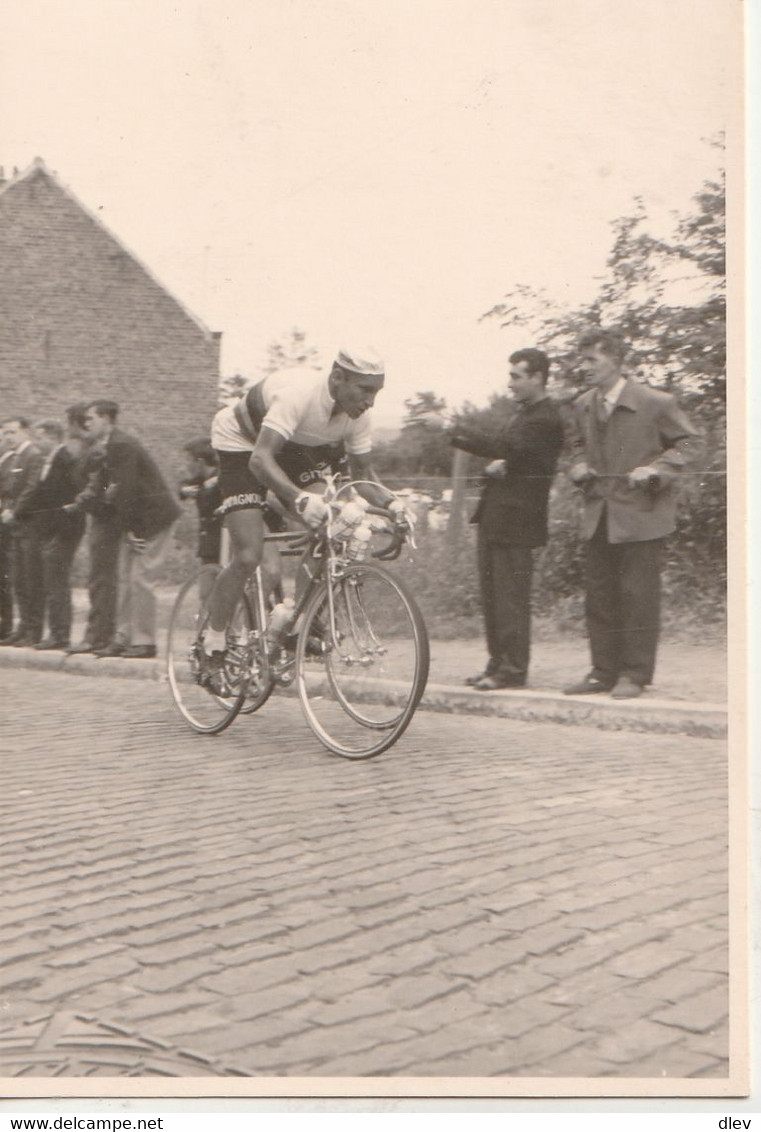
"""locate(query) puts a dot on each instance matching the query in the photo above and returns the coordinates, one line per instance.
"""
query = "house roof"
(38, 168)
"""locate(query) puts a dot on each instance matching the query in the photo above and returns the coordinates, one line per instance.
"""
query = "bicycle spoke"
(361, 671)
(198, 705)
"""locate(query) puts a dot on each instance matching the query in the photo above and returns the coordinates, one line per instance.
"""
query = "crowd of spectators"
(87, 478)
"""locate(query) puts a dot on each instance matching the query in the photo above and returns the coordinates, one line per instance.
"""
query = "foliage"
(290, 349)
(422, 446)
(665, 296)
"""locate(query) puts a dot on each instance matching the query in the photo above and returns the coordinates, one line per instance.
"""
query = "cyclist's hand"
(403, 517)
(311, 509)
(497, 469)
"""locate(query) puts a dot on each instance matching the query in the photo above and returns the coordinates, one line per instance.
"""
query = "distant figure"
(146, 513)
(104, 535)
(202, 485)
(6, 538)
(629, 444)
(26, 565)
(58, 532)
(512, 515)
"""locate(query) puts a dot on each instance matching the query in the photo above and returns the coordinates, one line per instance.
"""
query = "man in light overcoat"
(630, 444)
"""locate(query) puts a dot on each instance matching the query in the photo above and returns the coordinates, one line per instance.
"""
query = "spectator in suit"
(146, 513)
(512, 515)
(6, 539)
(629, 446)
(26, 566)
(104, 534)
(57, 532)
(202, 486)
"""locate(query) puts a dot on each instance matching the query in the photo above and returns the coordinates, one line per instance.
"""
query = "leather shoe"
(10, 639)
(471, 681)
(49, 644)
(494, 683)
(589, 686)
(626, 689)
(26, 642)
(116, 648)
(139, 652)
(74, 650)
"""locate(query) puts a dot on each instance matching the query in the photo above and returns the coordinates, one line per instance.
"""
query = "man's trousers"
(26, 574)
(505, 574)
(6, 580)
(104, 542)
(623, 591)
(138, 575)
(58, 552)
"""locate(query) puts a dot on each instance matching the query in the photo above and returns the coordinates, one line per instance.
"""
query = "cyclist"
(285, 434)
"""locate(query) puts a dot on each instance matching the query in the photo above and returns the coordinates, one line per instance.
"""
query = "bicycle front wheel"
(361, 661)
(206, 712)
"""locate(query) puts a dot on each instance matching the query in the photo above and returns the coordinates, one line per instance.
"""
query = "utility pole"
(457, 505)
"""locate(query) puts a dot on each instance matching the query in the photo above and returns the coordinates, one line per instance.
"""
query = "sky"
(370, 171)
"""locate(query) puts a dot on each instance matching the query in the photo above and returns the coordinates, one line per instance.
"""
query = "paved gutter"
(701, 720)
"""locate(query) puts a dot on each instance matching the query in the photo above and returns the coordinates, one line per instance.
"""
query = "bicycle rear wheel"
(206, 712)
(361, 661)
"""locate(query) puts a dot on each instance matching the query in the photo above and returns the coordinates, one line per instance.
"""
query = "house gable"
(83, 318)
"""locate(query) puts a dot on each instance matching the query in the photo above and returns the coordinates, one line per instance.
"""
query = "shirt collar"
(611, 397)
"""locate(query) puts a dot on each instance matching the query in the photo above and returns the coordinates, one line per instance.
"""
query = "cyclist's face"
(355, 393)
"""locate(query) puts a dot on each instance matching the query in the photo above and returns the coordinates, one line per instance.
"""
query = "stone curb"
(706, 721)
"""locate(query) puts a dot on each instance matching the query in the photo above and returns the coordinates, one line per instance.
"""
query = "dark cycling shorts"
(242, 491)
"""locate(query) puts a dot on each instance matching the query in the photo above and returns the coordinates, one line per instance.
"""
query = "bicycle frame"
(318, 547)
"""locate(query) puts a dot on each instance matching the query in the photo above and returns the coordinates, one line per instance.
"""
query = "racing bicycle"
(354, 647)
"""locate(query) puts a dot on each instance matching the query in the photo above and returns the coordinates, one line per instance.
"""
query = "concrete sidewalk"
(689, 696)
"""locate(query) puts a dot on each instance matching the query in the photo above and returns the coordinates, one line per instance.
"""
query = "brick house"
(81, 317)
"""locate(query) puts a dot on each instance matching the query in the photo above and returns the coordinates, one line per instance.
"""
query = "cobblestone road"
(488, 898)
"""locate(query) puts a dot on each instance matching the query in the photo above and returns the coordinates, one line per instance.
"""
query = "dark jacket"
(6, 478)
(57, 487)
(646, 429)
(512, 510)
(135, 487)
(25, 475)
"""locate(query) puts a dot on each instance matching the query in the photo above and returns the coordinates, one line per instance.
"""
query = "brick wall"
(81, 318)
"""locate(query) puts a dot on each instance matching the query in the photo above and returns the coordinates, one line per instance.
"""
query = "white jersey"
(299, 407)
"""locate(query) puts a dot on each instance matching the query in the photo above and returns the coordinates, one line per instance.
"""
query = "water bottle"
(359, 543)
(279, 618)
(350, 515)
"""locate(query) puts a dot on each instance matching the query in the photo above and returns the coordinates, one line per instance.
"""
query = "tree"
(422, 447)
(290, 350)
(666, 296)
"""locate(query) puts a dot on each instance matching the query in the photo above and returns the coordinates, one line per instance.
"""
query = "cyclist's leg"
(246, 529)
(241, 508)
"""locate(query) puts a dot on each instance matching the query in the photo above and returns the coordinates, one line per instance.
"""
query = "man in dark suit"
(57, 532)
(26, 566)
(146, 512)
(6, 539)
(103, 536)
(630, 444)
(512, 515)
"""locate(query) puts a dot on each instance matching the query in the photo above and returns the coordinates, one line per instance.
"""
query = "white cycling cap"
(365, 361)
